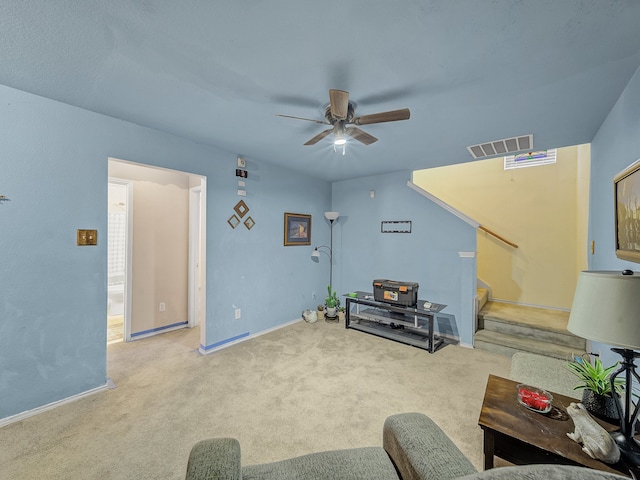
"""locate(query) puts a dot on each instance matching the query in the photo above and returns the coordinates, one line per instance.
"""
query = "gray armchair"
(414, 448)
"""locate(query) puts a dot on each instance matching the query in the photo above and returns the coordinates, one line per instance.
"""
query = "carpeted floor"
(302, 388)
(115, 328)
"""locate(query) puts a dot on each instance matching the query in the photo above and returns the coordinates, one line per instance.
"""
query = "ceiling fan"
(340, 114)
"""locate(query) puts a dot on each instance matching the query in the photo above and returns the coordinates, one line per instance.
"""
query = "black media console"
(410, 325)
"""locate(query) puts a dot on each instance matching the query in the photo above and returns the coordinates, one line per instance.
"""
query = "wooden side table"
(521, 436)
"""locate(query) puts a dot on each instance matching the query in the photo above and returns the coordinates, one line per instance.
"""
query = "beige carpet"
(303, 388)
(115, 328)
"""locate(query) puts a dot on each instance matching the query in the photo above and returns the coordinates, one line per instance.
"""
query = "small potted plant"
(341, 314)
(597, 396)
(332, 302)
(320, 311)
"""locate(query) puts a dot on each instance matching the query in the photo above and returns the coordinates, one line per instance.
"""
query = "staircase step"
(507, 328)
(540, 317)
(482, 295)
(564, 338)
(530, 322)
(505, 344)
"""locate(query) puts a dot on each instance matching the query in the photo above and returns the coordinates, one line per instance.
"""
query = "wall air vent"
(500, 147)
(530, 159)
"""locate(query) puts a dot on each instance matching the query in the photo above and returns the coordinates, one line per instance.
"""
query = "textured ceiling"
(218, 71)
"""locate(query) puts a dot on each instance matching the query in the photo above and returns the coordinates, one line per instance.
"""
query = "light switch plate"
(87, 237)
(242, 193)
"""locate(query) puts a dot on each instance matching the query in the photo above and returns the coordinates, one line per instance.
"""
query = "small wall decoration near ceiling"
(233, 221)
(241, 208)
(297, 229)
(395, 226)
(627, 192)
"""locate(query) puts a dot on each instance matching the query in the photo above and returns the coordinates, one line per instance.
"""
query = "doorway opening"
(162, 221)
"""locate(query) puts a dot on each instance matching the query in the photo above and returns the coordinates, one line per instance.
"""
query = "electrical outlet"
(162, 307)
(238, 312)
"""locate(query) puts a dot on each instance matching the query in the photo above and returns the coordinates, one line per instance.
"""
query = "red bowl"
(534, 398)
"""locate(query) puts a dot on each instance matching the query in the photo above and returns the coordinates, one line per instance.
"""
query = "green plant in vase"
(597, 396)
(332, 302)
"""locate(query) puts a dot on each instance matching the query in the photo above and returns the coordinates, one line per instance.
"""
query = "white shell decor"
(310, 316)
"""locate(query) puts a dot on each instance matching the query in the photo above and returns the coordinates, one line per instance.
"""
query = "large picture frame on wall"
(626, 186)
(297, 229)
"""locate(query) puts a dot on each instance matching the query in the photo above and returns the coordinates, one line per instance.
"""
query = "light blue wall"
(252, 269)
(615, 146)
(429, 255)
(53, 168)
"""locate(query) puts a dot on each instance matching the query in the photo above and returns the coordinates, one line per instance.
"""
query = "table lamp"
(606, 309)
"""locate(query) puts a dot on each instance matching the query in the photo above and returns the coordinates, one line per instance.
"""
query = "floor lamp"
(606, 309)
(332, 217)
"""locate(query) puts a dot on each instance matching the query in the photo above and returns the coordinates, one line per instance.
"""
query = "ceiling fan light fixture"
(340, 141)
(340, 114)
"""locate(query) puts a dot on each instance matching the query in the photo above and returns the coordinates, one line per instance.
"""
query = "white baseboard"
(50, 406)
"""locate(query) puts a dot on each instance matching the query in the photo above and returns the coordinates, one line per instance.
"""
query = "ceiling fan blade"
(306, 119)
(339, 100)
(391, 116)
(360, 135)
(319, 137)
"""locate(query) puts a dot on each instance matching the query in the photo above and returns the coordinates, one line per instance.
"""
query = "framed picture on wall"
(297, 229)
(627, 212)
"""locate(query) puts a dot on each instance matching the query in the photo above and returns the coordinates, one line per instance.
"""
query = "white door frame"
(196, 234)
(128, 253)
(194, 255)
(197, 257)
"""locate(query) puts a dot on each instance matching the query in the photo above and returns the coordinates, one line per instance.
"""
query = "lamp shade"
(331, 215)
(315, 253)
(606, 308)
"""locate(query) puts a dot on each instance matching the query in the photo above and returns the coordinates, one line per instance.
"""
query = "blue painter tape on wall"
(223, 342)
